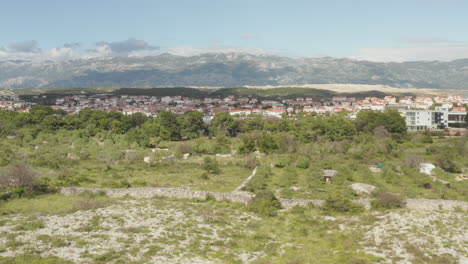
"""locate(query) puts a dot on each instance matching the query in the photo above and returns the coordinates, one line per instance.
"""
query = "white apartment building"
(426, 119)
(439, 118)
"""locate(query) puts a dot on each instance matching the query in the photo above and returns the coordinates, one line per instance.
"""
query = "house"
(274, 112)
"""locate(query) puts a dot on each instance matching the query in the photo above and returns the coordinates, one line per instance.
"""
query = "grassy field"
(67, 162)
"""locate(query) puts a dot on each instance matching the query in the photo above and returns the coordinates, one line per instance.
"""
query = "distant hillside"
(230, 70)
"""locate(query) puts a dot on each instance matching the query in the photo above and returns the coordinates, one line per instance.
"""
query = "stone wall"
(150, 192)
(432, 204)
(245, 197)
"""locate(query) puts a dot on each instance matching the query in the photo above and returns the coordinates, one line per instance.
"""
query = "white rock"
(295, 188)
(362, 188)
(72, 157)
(147, 159)
(186, 156)
(224, 155)
(171, 157)
(159, 149)
(426, 168)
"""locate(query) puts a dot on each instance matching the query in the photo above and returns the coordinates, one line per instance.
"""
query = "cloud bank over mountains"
(406, 49)
(29, 50)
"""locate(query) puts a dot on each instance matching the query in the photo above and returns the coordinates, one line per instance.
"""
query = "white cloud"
(29, 50)
(127, 46)
(414, 53)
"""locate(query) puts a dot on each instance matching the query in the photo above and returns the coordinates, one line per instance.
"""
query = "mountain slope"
(232, 69)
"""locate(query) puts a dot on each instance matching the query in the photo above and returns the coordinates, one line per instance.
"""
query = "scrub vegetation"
(45, 149)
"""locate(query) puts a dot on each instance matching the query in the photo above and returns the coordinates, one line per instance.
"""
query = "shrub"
(413, 160)
(446, 160)
(340, 204)
(18, 176)
(427, 139)
(302, 163)
(386, 200)
(281, 163)
(265, 203)
(204, 176)
(211, 165)
(183, 148)
(250, 161)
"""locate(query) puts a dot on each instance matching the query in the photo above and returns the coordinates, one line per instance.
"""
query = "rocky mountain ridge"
(230, 69)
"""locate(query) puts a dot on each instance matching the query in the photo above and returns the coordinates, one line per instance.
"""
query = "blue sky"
(363, 29)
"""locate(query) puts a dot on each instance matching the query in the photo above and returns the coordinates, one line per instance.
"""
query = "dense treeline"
(257, 132)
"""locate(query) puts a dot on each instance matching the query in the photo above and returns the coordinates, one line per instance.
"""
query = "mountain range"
(230, 69)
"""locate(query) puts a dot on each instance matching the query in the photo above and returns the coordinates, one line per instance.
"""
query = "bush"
(265, 203)
(250, 161)
(340, 204)
(302, 163)
(18, 176)
(386, 200)
(183, 148)
(446, 160)
(427, 139)
(413, 160)
(281, 163)
(211, 165)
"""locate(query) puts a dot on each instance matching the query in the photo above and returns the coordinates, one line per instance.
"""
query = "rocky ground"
(437, 237)
(151, 231)
(183, 231)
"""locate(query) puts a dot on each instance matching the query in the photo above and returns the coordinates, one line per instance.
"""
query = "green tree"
(224, 122)
(168, 122)
(191, 124)
(39, 112)
(367, 121)
(211, 165)
(137, 119)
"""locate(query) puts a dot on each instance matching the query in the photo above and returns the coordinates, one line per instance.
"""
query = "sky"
(375, 30)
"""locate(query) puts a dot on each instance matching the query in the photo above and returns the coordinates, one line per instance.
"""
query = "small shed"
(328, 175)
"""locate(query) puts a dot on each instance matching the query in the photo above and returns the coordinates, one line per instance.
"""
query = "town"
(420, 112)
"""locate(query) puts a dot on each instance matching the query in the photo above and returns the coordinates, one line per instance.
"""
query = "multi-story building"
(426, 119)
(439, 118)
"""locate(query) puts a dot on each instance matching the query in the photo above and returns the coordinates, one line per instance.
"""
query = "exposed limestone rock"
(224, 155)
(159, 149)
(362, 188)
(171, 157)
(72, 156)
(426, 168)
